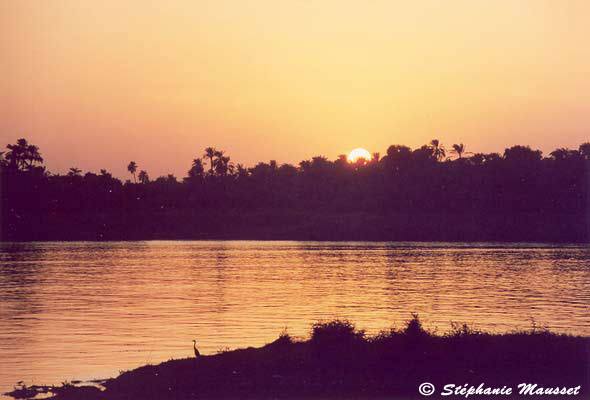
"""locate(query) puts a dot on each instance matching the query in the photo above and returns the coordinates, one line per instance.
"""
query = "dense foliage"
(404, 182)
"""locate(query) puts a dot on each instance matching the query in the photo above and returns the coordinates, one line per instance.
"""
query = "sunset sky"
(96, 84)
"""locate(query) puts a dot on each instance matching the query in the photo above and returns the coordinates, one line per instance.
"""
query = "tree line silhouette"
(407, 194)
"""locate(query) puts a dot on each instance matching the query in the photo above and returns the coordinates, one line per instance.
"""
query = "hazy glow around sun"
(359, 153)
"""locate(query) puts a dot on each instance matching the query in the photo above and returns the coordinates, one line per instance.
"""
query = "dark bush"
(337, 331)
(414, 328)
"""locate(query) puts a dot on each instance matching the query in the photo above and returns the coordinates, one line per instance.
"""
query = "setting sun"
(359, 153)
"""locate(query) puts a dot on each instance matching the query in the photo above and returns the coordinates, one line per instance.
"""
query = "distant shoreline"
(406, 195)
(298, 226)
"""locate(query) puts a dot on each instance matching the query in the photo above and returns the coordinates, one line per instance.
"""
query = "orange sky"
(96, 84)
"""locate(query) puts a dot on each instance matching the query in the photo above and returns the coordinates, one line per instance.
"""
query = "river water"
(83, 310)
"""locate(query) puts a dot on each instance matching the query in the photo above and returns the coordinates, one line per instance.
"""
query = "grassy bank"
(339, 361)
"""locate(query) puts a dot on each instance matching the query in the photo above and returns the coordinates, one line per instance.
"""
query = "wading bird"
(197, 354)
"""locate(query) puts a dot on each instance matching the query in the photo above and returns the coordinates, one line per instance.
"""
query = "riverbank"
(323, 225)
(339, 361)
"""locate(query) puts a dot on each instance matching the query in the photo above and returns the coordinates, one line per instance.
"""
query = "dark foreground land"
(341, 362)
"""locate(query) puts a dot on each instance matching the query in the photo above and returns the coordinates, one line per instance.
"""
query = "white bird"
(197, 354)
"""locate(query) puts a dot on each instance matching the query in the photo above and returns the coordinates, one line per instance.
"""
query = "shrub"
(284, 338)
(414, 328)
(335, 332)
(463, 330)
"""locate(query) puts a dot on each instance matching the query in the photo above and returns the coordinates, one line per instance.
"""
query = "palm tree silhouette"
(241, 171)
(74, 172)
(222, 164)
(132, 167)
(32, 155)
(459, 149)
(218, 161)
(143, 177)
(196, 169)
(210, 153)
(14, 156)
(23, 155)
(437, 149)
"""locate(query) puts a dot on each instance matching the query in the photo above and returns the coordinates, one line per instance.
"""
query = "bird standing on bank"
(197, 354)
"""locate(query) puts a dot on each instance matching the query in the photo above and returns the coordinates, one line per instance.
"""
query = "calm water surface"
(87, 310)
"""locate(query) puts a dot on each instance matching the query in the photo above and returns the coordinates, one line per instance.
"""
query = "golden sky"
(96, 84)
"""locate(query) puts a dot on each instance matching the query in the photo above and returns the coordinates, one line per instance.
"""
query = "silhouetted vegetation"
(407, 194)
(340, 361)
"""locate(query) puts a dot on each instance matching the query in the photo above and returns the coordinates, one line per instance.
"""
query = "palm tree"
(241, 171)
(210, 153)
(196, 169)
(74, 172)
(437, 149)
(132, 167)
(218, 160)
(23, 155)
(222, 166)
(459, 149)
(143, 177)
(14, 156)
(32, 155)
